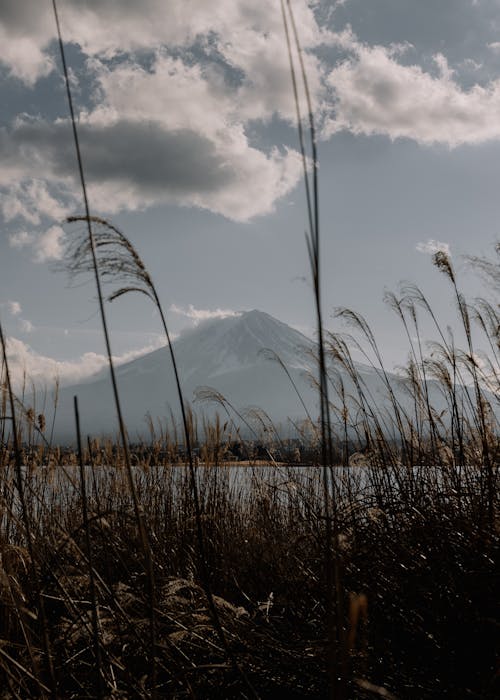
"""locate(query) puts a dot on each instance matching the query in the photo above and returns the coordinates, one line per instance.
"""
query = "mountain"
(225, 354)
(234, 356)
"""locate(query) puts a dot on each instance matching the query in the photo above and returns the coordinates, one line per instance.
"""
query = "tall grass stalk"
(27, 528)
(121, 424)
(443, 263)
(209, 394)
(335, 613)
(88, 546)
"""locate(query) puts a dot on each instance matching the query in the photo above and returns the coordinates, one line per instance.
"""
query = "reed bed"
(418, 560)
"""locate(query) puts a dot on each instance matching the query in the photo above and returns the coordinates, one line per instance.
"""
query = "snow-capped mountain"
(234, 356)
(227, 345)
(225, 354)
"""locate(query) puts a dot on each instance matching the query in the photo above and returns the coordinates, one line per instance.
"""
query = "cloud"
(459, 27)
(26, 326)
(108, 28)
(48, 245)
(376, 94)
(432, 246)
(24, 55)
(172, 108)
(30, 200)
(45, 246)
(13, 307)
(198, 315)
(21, 239)
(240, 45)
(43, 370)
(131, 164)
(176, 90)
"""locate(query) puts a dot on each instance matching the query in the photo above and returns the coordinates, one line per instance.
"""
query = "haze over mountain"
(226, 355)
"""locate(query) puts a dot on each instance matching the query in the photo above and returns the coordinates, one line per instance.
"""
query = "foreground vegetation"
(156, 571)
(418, 560)
(159, 570)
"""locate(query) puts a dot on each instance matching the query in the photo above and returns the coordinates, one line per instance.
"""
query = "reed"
(148, 564)
(335, 616)
(418, 557)
(120, 264)
(421, 511)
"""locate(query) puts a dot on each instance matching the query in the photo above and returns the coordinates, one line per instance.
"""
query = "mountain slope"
(224, 354)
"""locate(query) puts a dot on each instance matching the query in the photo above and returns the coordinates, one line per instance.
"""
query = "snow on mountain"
(230, 344)
(226, 355)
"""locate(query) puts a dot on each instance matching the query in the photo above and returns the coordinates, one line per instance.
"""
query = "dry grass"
(417, 545)
(418, 560)
(417, 540)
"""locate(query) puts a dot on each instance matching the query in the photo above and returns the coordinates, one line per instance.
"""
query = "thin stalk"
(270, 354)
(93, 597)
(332, 565)
(54, 415)
(119, 259)
(26, 523)
(123, 436)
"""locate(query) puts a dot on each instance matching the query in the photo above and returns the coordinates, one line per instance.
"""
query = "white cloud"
(197, 315)
(48, 245)
(32, 200)
(24, 56)
(108, 28)
(26, 326)
(375, 94)
(135, 162)
(471, 64)
(248, 37)
(172, 111)
(13, 307)
(196, 111)
(174, 98)
(43, 370)
(21, 239)
(432, 246)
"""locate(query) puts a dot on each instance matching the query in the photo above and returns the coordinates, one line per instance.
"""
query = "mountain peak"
(224, 353)
(255, 314)
(236, 341)
(263, 324)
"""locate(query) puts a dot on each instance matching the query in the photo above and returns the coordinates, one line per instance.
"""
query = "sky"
(187, 124)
